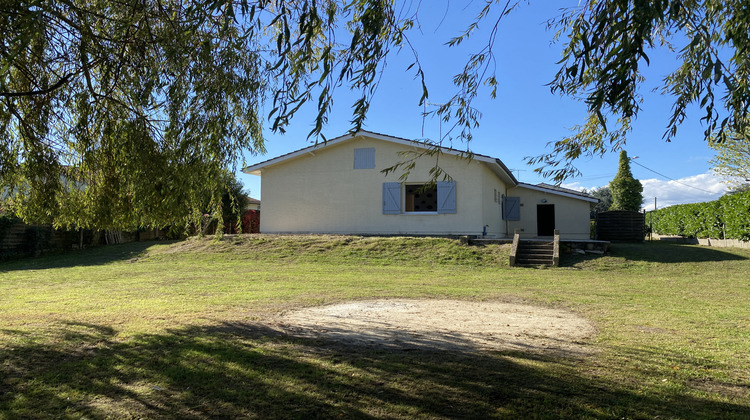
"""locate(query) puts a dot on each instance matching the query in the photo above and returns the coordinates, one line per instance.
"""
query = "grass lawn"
(178, 330)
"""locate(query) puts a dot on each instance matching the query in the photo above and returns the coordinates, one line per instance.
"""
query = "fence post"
(556, 249)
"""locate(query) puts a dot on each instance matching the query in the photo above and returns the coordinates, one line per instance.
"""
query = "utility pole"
(651, 235)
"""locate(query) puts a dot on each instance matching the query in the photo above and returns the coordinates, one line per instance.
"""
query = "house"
(252, 203)
(339, 187)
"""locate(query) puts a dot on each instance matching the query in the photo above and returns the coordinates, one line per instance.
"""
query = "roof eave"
(590, 199)
(506, 175)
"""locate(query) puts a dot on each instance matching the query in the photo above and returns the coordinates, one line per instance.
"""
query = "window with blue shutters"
(391, 198)
(512, 208)
(446, 195)
(420, 198)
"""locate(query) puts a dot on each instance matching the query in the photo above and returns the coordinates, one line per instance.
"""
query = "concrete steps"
(535, 253)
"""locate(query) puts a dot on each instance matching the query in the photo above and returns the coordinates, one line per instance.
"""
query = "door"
(545, 219)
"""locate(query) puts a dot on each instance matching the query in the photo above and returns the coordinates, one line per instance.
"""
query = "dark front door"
(545, 219)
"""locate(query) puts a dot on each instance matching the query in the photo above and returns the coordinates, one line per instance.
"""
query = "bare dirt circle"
(408, 324)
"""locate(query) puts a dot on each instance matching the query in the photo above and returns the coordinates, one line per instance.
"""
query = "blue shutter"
(512, 208)
(446, 196)
(391, 198)
(364, 158)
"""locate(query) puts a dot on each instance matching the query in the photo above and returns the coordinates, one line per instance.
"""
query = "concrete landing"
(567, 245)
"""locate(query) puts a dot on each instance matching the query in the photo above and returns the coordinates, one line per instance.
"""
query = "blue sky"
(525, 116)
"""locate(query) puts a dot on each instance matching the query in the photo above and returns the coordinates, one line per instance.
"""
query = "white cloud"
(692, 189)
(576, 186)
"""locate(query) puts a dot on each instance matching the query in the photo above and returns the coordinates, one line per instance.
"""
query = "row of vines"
(725, 218)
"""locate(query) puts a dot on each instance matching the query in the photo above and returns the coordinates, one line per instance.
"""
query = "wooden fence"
(21, 239)
(621, 226)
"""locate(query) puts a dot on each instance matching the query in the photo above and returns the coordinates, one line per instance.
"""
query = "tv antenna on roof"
(440, 119)
(518, 172)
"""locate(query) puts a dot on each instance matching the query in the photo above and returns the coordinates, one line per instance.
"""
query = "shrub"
(36, 239)
(725, 218)
(251, 221)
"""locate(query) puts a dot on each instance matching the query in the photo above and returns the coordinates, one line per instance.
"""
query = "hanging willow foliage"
(127, 114)
(607, 44)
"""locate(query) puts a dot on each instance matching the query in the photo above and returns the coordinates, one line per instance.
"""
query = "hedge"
(725, 218)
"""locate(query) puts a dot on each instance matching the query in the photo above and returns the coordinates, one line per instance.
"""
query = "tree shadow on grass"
(662, 252)
(251, 370)
(678, 253)
(99, 255)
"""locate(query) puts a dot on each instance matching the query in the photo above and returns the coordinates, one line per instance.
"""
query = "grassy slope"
(144, 330)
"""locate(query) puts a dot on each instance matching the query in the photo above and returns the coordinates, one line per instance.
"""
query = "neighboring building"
(339, 187)
(252, 203)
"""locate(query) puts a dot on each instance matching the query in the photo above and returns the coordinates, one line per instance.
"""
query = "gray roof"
(496, 165)
(554, 189)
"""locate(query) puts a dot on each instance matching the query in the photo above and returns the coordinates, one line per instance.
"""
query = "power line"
(672, 179)
(594, 177)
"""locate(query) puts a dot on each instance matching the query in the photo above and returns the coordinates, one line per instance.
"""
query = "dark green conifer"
(626, 190)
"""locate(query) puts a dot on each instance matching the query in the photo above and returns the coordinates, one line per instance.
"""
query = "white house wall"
(320, 192)
(493, 190)
(571, 214)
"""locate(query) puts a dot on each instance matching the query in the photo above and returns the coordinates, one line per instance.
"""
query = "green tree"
(126, 114)
(740, 189)
(626, 190)
(733, 161)
(608, 43)
(234, 202)
(604, 194)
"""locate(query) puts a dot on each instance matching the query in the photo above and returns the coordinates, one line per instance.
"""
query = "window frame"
(406, 187)
(394, 198)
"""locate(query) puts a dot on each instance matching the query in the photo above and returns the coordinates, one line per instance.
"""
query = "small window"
(364, 158)
(421, 198)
